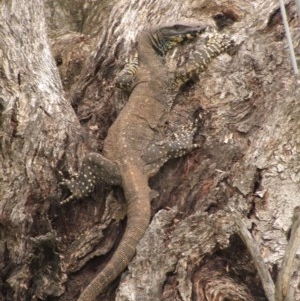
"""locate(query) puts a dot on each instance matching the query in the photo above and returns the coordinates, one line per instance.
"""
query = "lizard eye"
(177, 26)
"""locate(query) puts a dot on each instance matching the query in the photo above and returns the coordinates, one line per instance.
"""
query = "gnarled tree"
(58, 62)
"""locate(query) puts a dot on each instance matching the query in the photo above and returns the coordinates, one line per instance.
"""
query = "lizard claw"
(70, 185)
(67, 200)
(66, 183)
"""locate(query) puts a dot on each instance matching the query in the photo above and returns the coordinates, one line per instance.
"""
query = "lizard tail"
(137, 193)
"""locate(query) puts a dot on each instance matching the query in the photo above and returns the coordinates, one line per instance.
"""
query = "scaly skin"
(131, 152)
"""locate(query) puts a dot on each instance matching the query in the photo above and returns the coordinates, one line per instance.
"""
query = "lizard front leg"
(126, 78)
(199, 60)
(94, 168)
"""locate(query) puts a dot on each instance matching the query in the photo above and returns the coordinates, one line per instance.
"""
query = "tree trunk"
(55, 107)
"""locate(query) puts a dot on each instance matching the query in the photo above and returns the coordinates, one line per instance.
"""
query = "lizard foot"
(94, 168)
(126, 78)
(79, 189)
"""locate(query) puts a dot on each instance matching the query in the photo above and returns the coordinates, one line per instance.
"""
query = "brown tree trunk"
(55, 107)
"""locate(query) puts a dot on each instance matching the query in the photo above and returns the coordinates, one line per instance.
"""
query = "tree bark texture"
(58, 61)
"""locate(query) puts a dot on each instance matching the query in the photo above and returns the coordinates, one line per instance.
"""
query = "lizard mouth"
(179, 32)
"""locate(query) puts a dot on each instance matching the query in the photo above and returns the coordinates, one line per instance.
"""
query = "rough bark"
(36, 122)
(248, 162)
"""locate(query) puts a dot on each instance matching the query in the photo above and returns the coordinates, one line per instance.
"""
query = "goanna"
(133, 149)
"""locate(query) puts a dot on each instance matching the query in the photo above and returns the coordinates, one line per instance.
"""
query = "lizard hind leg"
(175, 145)
(94, 168)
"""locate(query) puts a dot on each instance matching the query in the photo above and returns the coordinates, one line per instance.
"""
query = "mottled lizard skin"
(132, 151)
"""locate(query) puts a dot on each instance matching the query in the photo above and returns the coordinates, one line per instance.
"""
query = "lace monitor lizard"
(133, 149)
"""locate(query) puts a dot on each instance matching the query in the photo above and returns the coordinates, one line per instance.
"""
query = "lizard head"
(167, 37)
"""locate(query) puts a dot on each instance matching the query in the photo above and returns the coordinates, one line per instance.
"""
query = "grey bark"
(36, 122)
(55, 107)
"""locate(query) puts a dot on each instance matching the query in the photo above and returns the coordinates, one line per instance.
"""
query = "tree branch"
(253, 249)
(283, 288)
